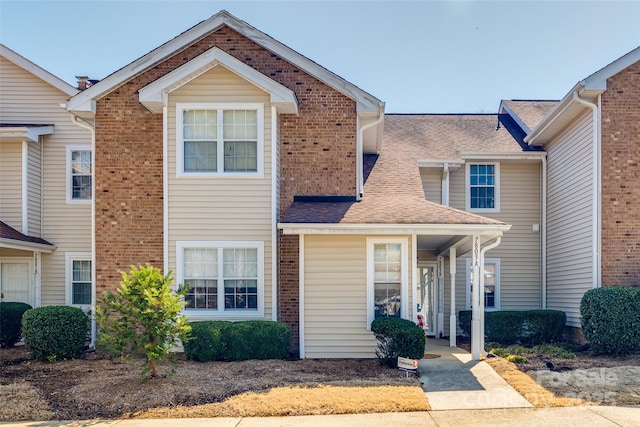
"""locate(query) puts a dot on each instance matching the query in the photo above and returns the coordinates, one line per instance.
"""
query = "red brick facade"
(317, 157)
(620, 179)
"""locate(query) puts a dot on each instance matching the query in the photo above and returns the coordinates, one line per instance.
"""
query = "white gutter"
(359, 153)
(543, 235)
(595, 157)
(481, 304)
(487, 155)
(91, 129)
(490, 230)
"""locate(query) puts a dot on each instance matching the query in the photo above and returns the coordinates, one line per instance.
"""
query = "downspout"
(359, 153)
(91, 129)
(481, 277)
(444, 199)
(595, 219)
(543, 236)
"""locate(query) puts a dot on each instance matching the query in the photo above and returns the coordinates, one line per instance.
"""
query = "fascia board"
(422, 229)
(364, 101)
(598, 80)
(537, 136)
(498, 155)
(26, 246)
(28, 133)
(439, 163)
(504, 107)
(37, 71)
(154, 96)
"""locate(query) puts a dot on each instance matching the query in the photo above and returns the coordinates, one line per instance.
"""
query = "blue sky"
(417, 56)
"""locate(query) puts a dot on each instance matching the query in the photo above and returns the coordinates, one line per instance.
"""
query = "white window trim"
(221, 313)
(180, 107)
(495, 261)
(68, 274)
(69, 192)
(467, 187)
(404, 275)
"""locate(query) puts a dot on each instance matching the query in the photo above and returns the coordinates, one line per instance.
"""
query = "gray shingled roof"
(393, 192)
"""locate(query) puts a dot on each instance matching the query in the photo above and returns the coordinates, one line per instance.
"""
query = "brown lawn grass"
(300, 400)
(22, 402)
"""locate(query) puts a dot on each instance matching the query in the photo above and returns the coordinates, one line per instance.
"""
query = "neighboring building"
(45, 189)
(280, 191)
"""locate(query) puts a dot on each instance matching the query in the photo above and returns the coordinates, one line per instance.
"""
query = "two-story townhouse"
(238, 163)
(45, 189)
(592, 227)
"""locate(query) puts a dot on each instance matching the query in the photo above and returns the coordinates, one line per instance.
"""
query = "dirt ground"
(95, 387)
(610, 381)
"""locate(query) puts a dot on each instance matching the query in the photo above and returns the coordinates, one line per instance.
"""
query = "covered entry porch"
(350, 274)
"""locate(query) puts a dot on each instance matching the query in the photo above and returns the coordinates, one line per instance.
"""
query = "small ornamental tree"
(143, 317)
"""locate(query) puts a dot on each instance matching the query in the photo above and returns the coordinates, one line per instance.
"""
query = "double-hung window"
(491, 295)
(387, 278)
(226, 278)
(79, 173)
(219, 139)
(483, 187)
(79, 282)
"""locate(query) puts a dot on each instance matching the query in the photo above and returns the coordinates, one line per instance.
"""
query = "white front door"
(15, 282)
(427, 300)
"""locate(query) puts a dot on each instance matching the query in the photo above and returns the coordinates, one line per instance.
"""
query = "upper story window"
(226, 278)
(219, 139)
(79, 173)
(483, 187)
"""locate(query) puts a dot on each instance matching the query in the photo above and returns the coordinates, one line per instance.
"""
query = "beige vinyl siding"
(221, 208)
(520, 251)
(34, 202)
(432, 184)
(27, 99)
(335, 298)
(11, 184)
(569, 219)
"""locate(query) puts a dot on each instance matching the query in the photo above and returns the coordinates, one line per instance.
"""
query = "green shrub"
(397, 338)
(207, 341)
(245, 340)
(143, 317)
(11, 322)
(527, 327)
(55, 332)
(611, 320)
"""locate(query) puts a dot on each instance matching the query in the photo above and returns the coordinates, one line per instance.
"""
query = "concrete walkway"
(454, 381)
(592, 416)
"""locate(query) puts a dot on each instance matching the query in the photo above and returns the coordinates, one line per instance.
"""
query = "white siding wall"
(218, 208)
(569, 229)
(519, 251)
(432, 184)
(27, 99)
(11, 184)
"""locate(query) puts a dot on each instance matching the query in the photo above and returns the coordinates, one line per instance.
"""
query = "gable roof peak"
(84, 102)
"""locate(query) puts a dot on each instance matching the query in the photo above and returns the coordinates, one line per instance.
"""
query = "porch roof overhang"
(448, 235)
(11, 238)
(23, 132)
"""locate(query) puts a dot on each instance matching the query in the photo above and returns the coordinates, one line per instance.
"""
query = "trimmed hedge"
(11, 322)
(245, 340)
(526, 327)
(611, 320)
(55, 332)
(397, 338)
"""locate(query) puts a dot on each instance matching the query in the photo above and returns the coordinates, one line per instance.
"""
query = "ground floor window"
(79, 282)
(226, 278)
(387, 278)
(491, 284)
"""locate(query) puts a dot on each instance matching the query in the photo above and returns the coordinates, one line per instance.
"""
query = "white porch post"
(453, 322)
(475, 299)
(37, 261)
(481, 303)
(440, 329)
